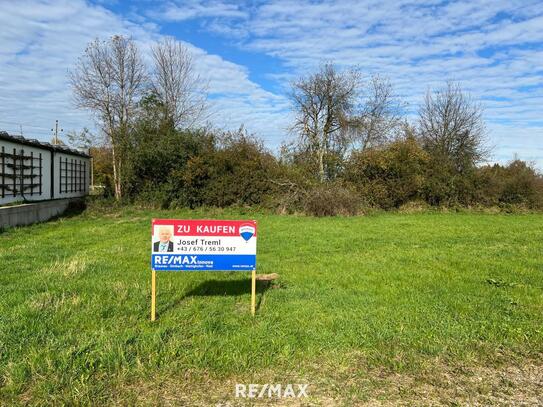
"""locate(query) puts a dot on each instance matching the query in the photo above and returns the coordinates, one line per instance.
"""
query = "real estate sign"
(203, 245)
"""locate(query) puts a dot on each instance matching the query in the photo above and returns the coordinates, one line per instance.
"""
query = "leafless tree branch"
(182, 91)
(322, 102)
(108, 81)
(451, 125)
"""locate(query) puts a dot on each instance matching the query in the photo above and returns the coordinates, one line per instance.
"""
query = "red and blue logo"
(246, 231)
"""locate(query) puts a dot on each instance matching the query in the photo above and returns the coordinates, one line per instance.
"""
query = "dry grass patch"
(48, 300)
(67, 267)
(440, 385)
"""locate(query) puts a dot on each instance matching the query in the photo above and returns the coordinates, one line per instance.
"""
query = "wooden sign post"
(153, 295)
(203, 245)
(253, 292)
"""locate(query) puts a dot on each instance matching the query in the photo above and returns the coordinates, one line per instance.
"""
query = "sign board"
(203, 245)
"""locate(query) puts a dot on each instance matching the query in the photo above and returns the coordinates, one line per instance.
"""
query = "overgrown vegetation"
(353, 150)
(201, 168)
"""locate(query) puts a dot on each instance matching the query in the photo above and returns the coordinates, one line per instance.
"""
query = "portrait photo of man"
(164, 244)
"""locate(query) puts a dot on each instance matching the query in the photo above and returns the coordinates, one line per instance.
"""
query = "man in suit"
(164, 244)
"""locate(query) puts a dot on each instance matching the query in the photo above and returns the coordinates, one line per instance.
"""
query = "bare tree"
(181, 90)
(83, 140)
(379, 117)
(323, 103)
(108, 80)
(451, 126)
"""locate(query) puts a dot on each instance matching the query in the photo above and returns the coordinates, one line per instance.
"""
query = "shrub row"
(192, 169)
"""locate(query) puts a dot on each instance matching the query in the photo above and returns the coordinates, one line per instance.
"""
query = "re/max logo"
(174, 259)
(271, 390)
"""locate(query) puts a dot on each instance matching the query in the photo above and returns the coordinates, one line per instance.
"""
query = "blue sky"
(249, 51)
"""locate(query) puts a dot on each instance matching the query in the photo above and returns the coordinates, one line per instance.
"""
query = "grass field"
(390, 308)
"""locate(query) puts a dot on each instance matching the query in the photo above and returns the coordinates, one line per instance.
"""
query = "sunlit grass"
(390, 291)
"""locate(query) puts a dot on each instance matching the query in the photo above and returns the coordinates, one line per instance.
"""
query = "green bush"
(166, 168)
(180, 169)
(238, 171)
(511, 186)
(445, 185)
(108, 191)
(332, 200)
(157, 161)
(389, 176)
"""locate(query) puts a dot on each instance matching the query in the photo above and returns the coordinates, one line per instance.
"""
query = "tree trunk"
(321, 164)
(119, 184)
(116, 173)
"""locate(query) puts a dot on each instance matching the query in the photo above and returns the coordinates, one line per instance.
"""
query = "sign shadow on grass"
(213, 288)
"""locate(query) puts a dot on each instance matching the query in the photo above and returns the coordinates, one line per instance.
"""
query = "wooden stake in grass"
(153, 295)
(253, 293)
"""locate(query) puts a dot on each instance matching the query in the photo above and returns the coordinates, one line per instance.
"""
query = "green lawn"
(382, 308)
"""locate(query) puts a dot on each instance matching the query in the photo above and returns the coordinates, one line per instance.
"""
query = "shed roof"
(40, 144)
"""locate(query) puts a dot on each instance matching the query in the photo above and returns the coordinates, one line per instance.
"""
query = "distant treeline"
(352, 146)
(200, 168)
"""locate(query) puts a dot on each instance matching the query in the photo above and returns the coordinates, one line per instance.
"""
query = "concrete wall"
(26, 214)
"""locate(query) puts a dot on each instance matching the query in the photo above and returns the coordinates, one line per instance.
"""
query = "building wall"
(72, 175)
(41, 180)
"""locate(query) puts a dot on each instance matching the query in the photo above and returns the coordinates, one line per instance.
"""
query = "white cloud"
(418, 45)
(493, 49)
(187, 10)
(41, 41)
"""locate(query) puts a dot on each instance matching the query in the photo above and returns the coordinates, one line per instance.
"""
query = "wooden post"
(253, 293)
(153, 296)
(31, 173)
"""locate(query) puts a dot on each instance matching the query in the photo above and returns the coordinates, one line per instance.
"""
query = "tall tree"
(181, 90)
(323, 102)
(378, 118)
(108, 80)
(452, 128)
